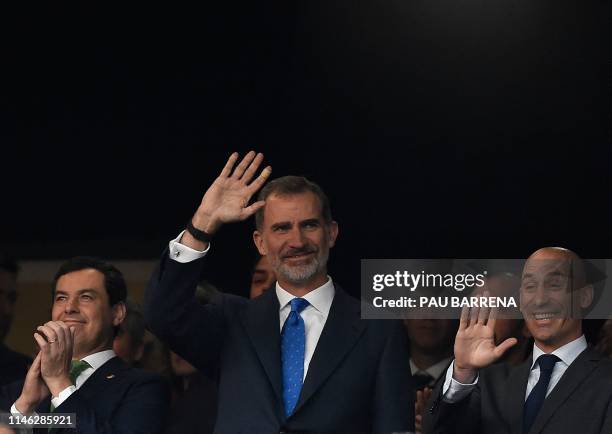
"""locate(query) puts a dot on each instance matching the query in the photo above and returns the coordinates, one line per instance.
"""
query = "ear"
(585, 296)
(332, 232)
(259, 243)
(118, 313)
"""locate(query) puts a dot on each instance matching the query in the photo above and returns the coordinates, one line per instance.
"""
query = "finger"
(427, 393)
(59, 332)
(250, 172)
(42, 342)
(419, 401)
(34, 369)
(260, 180)
(252, 209)
(474, 315)
(243, 165)
(36, 361)
(47, 333)
(504, 346)
(227, 169)
(483, 315)
(464, 320)
(492, 318)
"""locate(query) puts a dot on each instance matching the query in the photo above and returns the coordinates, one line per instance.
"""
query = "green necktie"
(76, 368)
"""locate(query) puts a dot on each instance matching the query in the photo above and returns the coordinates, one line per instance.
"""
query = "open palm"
(475, 341)
(227, 199)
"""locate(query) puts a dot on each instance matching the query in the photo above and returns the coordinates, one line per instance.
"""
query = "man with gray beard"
(298, 358)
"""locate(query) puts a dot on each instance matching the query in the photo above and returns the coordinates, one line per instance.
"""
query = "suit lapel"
(571, 379)
(515, 396)
(262, 325)
(340, 333)
(97, 382)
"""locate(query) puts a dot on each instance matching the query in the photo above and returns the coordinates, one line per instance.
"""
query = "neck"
(425, 359)
(549, 347)
(79, 354)
(300, 289)
(518, 353)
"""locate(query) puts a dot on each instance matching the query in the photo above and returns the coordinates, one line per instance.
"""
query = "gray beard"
(301, 273)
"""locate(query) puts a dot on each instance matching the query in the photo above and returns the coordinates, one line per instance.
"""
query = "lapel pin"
(108, 377)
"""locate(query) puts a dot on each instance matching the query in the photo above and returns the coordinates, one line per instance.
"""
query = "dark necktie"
(421, 380)
(293, 345)
(538, 394)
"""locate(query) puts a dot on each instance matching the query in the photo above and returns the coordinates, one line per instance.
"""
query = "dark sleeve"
(192, 330)
(9, 394)
(142, 410)
(394, 394)
(445, 418)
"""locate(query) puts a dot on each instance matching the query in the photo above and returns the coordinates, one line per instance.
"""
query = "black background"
(438, 128)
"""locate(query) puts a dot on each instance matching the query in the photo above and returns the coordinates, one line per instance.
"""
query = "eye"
(60, 298)
(529, 287)
(86, 297)
(312, 224)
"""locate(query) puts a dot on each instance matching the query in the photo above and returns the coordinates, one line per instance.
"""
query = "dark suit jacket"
(358, 380)
(580, 403)
(115, 399)
(13, 365)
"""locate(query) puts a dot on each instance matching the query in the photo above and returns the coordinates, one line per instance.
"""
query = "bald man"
(563, 387)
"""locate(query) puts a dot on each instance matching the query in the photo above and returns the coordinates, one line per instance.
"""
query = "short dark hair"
(290, 185)
(113, 279)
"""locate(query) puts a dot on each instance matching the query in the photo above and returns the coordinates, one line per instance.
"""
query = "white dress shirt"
(454, 391)
(435, 371)
(314, 315)
(95, 361)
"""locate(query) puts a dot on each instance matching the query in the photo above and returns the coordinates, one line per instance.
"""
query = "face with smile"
(81, 301)
(296, 240)
(553, 294)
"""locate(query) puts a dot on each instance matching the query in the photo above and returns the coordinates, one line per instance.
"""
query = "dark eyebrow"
(309, 222)
(280, 225)
(79, 292)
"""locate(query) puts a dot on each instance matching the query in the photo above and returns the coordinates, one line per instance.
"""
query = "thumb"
(504, 346)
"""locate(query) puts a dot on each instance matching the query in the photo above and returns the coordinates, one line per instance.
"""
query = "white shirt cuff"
(183, 254)
(18, 413)
(63, 395)
(454, 391)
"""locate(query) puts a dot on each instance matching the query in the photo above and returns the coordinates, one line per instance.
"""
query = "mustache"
(303, 251)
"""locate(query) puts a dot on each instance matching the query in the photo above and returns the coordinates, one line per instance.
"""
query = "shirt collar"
(96, 360)
(434, 370)
(320, 298)
(567, 353)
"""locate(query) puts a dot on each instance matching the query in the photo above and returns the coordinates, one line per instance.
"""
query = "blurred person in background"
(13, 365)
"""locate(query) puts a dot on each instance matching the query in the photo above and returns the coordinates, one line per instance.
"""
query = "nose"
(71, 305)
(296, 238)
(541, 296)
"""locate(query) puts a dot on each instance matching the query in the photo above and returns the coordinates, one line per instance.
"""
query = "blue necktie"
(538, 394)
(293, 343)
